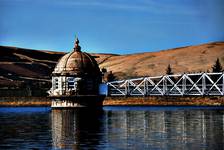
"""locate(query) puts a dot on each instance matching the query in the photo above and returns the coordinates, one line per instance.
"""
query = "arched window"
(71, 81)
(56, 83)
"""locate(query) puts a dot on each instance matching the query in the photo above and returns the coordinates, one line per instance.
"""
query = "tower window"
(56, 83)
(71, 81)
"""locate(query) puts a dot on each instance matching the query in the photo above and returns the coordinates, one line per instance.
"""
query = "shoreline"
(122, 101)
(25, 101)
(165, 101)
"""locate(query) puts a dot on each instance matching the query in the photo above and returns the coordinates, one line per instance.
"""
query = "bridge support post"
(184, 85)
(127, 88)
(203, 84)
(165, 85)
(145, 87)
(222, 83)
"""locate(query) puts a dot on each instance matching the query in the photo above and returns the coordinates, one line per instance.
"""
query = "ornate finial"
(77, 48)
(76, 40)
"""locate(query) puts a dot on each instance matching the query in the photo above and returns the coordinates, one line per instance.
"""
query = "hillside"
(19, 66)
(184, 59)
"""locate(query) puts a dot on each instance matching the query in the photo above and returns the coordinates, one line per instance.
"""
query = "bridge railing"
(178, 84)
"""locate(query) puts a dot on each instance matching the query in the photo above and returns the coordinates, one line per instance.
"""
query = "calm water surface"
(169, 128)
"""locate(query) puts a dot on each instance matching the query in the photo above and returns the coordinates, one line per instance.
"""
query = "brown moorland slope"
(198, 58)
(19, 65)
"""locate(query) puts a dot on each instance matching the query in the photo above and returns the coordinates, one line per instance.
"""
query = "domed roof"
(77, 63)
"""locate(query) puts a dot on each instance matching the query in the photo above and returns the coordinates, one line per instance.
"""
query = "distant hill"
(19, 65)
(198, 58)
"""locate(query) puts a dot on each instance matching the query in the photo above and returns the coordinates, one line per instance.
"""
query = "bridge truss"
(179, 84)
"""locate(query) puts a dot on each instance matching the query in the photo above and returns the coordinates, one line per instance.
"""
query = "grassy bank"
(24, 101)
(125, 101)
(165, 101)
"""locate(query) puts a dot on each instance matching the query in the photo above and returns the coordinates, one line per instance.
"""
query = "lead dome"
(77, 73)
(77, 63)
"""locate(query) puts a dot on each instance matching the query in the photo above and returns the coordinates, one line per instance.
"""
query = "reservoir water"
(166, 128)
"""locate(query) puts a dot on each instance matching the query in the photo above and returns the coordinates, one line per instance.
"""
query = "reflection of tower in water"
(71, 128)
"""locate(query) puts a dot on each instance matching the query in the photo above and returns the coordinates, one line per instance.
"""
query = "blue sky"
(112, 26)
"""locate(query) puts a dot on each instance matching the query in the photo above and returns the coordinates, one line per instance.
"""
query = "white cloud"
(149, 6)
(172, 7)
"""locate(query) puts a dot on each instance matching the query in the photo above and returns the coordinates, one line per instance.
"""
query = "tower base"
(77, 101)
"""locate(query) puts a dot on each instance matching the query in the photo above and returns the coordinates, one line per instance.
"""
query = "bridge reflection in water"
(157, 128)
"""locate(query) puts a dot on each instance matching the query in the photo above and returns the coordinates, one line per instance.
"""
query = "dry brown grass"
(187, 59)
(155, 101)
(39, 64)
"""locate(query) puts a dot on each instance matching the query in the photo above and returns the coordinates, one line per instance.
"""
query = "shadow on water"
(76, 128)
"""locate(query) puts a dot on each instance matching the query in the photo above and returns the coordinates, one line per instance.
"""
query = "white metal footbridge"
(170, 85)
